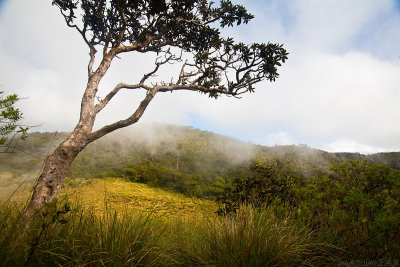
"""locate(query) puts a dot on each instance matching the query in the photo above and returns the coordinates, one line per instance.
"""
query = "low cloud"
(338, 91)
(274, 139)
(346, 145)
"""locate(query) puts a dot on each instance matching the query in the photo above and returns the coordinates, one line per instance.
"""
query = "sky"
(339, 91)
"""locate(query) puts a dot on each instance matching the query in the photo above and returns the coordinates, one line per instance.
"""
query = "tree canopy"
(170, 28)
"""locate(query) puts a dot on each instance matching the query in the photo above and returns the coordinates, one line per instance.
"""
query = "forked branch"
(130, 120)
(167, 57)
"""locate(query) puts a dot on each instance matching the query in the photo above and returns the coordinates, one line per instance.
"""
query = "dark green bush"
(355, 208)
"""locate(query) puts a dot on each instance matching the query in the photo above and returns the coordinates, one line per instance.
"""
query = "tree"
(177, 31)
(356, 208)
(10, 127)
(263, 186)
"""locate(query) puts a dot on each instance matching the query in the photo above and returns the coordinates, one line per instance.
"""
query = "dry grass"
(119, 223)
(121, 195)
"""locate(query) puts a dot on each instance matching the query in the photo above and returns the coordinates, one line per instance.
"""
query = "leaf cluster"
(122, 22)
(10, 116)
(217, 66)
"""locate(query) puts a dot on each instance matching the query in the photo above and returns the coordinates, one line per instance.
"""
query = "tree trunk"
(56, 166)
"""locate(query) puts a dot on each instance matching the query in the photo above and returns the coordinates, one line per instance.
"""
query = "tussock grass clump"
(74, 236)
(248, 238)
(185, 243)
(254, 238)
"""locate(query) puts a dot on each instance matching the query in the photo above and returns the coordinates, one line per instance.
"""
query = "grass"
(249, 238)
(111, 225)
(82, 237)
(121, 194)
(85, 237)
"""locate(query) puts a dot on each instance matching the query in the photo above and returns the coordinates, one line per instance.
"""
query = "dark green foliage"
(10, 118)
(389, 158)
(355, 208)
(217, 66)
(259, 188)
(358, 208)
(104, 18)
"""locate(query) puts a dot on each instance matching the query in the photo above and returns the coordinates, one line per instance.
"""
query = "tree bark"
(52, 177)
(57, 164)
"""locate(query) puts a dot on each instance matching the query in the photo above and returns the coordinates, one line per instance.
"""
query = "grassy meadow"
(113, 222)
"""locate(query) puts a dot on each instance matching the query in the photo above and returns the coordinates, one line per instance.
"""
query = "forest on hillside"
(347, 201)
(183, 159)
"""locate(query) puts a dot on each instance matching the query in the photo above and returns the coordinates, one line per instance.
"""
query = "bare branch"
(113, 92)
(123, 29)
(146, 76)
(106, 43)
(181, 79)
(168, 57)
(130, 120)
(91, 61)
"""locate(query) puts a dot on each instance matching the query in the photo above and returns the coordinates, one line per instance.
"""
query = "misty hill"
(183, 159)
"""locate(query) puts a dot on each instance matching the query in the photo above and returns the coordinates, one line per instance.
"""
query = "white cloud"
(280, 138)
(331, 24)
(346, 145)
(341, 82)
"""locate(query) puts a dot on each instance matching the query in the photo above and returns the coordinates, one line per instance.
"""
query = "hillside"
(121, 194)
(303, 201)
(183, 159)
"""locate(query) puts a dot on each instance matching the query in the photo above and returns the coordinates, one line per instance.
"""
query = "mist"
(159, 139)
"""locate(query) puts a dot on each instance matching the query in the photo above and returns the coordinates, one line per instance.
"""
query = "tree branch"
(69, 23)
(198, 88)
(135, 46)
(91, 61)
(111, 94)
(122, 31)
(130, 120)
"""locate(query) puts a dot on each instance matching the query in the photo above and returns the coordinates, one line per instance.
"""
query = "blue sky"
(339, 90)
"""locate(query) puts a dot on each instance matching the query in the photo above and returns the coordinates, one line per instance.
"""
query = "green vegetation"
(181, 159)
(74, 236)
(70, 235)
(150, 197)
(356, 208)
(10, 122)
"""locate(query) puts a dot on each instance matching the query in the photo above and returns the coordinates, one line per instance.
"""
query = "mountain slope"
(186, 160)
